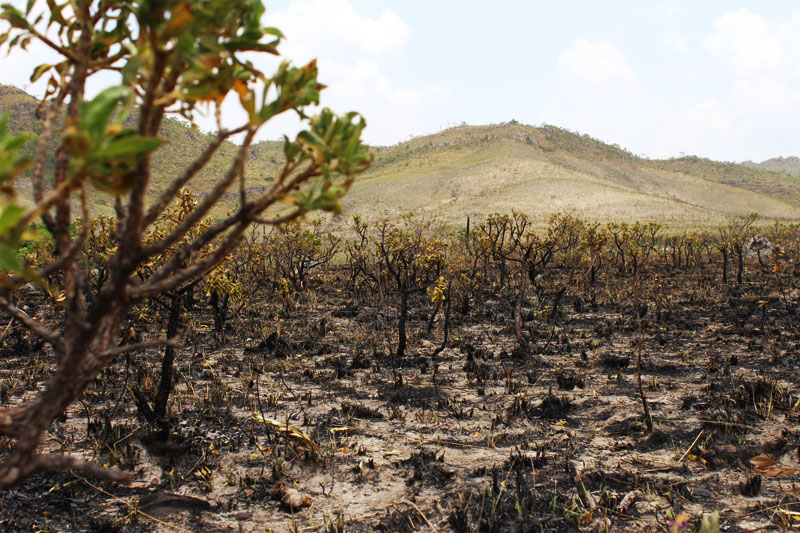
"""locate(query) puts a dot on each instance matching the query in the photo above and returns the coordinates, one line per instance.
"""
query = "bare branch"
(59, 194)
(110, 354)
(35, 327)
(73, 249)
(157, 285)
(244, 217)
(130, 229)
(288, 217)
(202, 210)
(12, 474)
(191, 171)
(51, 114)
(60, 49)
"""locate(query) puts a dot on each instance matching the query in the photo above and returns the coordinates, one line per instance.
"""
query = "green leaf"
(327, 201)
(129, 145)
(9, 217)
(241, 45)
(290, 149)
(311, 138)
(8, 258)
(274, 31)
(55, 13)
(97, 112)
(13, 16)
(39, 71)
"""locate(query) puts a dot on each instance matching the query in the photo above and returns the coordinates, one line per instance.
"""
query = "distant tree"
(403, 259)
(733, 238)
(172, 56)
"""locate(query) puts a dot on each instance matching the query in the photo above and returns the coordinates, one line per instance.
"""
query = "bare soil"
(476, 438)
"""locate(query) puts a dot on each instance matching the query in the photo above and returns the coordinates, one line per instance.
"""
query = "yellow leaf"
(241, 88)
(181, 15)
(762, 461)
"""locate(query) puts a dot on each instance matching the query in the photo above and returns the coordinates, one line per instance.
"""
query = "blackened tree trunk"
(739, 266)
(220, 309)
(556, 302)
(432, 319)
(401, 324)
(724, 266)
(521, 340)
(165, 385)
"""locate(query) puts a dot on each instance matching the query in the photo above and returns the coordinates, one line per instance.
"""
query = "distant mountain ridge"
(790, 165)
(477, 170)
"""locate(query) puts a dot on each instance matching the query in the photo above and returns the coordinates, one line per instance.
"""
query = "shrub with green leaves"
(174, 58)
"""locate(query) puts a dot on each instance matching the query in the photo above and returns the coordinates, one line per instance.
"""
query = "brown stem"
(645, 408)
(521, 340)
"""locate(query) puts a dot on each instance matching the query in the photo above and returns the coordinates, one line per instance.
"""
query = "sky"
(717, 79)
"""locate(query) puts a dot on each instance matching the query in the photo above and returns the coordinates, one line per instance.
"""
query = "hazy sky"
(719, 79)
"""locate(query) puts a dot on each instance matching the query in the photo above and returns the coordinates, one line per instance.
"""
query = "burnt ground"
(476, 438)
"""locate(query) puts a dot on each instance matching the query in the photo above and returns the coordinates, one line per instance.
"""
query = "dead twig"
(692, 446)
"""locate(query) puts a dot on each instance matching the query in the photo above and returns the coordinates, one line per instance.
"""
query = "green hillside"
(477, 170)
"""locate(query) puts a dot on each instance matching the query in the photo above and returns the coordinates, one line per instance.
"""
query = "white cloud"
(598, 62)
(764, 94)
(363, 80)
(315, 25)
(353, 52)
(764, 60)
(620, 109)
(753, 113)
(613, 108)
(748, 43)
(669, 8)
(392, 111)
(676, 41)
(709, 114)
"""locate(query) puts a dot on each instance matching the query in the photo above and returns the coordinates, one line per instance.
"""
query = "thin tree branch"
(130, 232)
(60, 49)
(193, 271)
(201, 210)
(73, 249)
(39, 463)
(110, 354)
(246, 216)
(288, 217)
(59, 194)
(191, 171)
(35, 327)
(40, 157)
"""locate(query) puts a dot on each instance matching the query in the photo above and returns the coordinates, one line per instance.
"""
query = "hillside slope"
(476, 170)
(790, 165)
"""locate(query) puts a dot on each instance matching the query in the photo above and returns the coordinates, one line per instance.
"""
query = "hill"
(790, 165)
(476, 170)
(183, 145)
